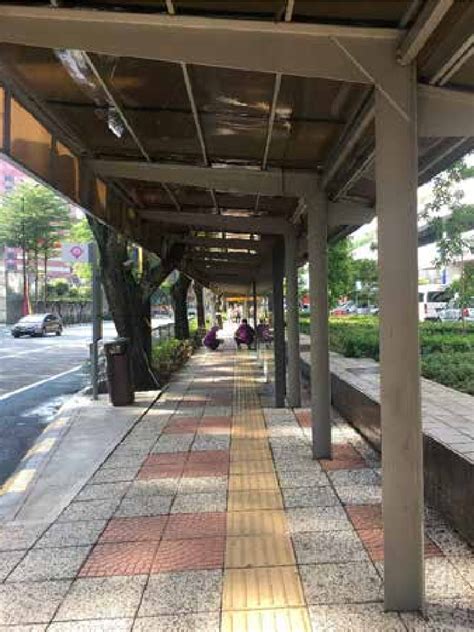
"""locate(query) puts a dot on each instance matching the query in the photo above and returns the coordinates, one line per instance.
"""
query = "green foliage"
(33, 218)
(339, 271)
(169, 356)
(447, 350)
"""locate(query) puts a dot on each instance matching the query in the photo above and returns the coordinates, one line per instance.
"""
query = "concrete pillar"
(318, 292)
(292, 310)
(254, 300)
(402, 449)
(279, 327)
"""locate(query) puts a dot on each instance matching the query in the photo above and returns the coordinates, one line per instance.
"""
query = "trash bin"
(119, 374)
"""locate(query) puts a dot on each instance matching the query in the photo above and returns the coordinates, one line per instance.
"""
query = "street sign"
(75, 253)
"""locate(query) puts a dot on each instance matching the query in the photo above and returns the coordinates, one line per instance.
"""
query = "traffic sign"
(75, 253)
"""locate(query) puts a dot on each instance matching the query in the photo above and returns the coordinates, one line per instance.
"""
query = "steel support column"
(279, 326)
(402, 455)
(292, 311)
(318, 292)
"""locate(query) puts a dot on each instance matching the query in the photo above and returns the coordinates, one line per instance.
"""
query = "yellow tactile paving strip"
(262, 587)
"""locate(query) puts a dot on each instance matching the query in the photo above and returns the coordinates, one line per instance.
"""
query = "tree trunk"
(201, 317)
(129, 298)
(45, 268)
(179, 292)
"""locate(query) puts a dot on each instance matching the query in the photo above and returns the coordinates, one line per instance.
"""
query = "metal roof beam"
(275, 182)
(344, 53)
(228, 223)
(426, 23)
(258, 245)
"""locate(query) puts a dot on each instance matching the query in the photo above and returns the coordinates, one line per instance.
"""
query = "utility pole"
(96, 318)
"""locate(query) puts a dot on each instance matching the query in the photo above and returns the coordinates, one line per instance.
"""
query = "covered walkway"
(212, 515)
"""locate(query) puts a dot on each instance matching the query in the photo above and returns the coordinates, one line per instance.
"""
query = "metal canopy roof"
(134, 81)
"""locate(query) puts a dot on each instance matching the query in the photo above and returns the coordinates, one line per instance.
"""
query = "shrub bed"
(168, 356)
(447, 351)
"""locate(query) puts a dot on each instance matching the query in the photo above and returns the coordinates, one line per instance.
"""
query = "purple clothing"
(263, 332)
(244, 334)
(210, 340)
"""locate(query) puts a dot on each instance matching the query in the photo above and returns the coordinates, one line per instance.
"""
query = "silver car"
(38, 325)
(454, 312)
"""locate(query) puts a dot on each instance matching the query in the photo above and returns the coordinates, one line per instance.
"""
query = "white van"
(432, 299)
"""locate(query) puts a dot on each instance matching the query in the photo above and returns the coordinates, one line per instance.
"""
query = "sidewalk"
(210, 515)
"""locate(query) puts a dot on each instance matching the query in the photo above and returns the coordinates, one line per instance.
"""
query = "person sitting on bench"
(244, 335)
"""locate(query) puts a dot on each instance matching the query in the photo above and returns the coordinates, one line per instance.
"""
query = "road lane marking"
(35, 384)
(20, 353)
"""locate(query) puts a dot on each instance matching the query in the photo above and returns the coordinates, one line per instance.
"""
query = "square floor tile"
(258, 550)
(46, 564)
(8, 561)
(30, 602)
(323, 547)
(202, 484)
(125, 558)
(354, 463)
(173, 443)
(243, 523)
(340, 478)
(356, 618)
(102, 598)
(190, 554)
(182, 426)
(204, 442)
(195, 525)
(103, 491)
(360, 494)
(302, 479)
(196, 470)
(365, 516)
(144, 506)
(443, 580)
(441, 615)
(155, 472)
(89, 510)
(308, 520)
(192, 503)
(309, 497)
(170, 458)
(207, 622)
(352, 582)
(249, 501)
(268, 620)
(153, 487)
(247, 589)
(251, 482)
(99, 625)
(183, 592)
(115, 475)
(71, 533)
(251, 467)
(19, 536)
(134, 529)
(208, 456)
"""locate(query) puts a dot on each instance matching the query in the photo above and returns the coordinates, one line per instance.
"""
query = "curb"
(18, 486)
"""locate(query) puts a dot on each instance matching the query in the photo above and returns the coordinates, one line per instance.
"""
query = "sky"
(426, 254)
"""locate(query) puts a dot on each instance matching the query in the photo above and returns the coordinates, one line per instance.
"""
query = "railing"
(163, 332)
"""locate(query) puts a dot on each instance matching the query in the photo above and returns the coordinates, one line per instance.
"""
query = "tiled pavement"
(212, 516)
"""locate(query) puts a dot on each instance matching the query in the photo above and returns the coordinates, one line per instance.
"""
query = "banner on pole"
(75, 253)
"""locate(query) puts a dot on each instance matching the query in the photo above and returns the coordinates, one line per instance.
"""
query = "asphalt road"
(36, 377)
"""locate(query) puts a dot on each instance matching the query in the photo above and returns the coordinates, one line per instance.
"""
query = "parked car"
(38, 325)
(454, 312)
(345, 309)
(432, 299)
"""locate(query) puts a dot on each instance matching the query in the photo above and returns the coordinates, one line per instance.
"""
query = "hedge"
(447, 350)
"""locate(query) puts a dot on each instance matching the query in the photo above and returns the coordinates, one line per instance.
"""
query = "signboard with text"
(75, 253)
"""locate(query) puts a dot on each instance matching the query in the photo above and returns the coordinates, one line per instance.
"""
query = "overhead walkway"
(211, 515)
